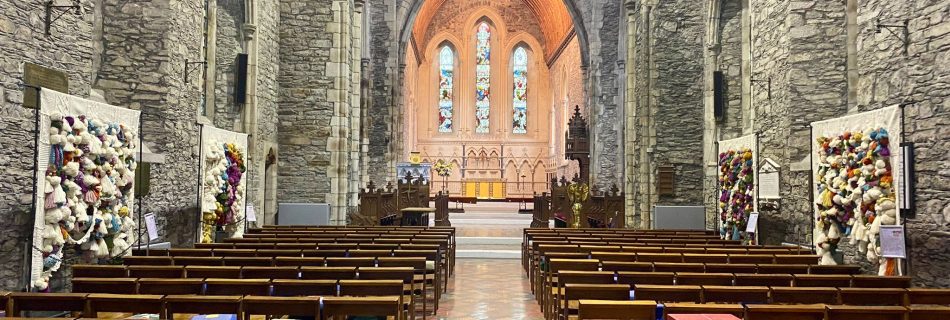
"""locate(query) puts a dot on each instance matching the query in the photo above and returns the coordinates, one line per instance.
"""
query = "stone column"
(630, 120)
(338, 69)
(355, 105)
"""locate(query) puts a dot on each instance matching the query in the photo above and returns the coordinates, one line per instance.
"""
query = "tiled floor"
(489, 289)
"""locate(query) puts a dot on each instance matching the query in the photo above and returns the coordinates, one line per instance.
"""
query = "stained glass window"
(482, 78)
(446, 72)
(519, 123)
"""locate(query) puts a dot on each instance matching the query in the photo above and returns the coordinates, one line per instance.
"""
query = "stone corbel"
(249, 30)
(358, 5)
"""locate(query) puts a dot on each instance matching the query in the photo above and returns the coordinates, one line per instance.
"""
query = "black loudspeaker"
(719, 94)
(240, 79)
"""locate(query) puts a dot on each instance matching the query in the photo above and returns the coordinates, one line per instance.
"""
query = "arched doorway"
(498, 78)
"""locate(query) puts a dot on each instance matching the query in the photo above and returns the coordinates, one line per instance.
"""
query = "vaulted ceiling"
(552, 15)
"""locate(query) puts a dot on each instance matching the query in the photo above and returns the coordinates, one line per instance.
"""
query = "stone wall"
(229, 42)
(730, 63)
(304, 110)
(268, 68)
(146, 45)
(678, 105)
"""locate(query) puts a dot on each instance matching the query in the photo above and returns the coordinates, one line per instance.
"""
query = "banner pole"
(198, 222)
(139, 164)
(247, 156)
(28, 252)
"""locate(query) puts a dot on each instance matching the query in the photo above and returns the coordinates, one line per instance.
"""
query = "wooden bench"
(782, 312)
(274, 307)
(665, 294)
(733, 294)
(123, 303)
(607, 309)
(866, 313)
(338, 308)
(188, 304)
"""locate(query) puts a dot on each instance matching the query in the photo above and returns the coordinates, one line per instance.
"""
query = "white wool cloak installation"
(854, 181)
(212, 166)
(96, 144)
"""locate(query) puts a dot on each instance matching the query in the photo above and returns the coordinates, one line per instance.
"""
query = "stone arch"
(580, 27)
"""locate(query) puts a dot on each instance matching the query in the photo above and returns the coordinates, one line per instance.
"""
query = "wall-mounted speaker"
(719, 95)
(240, 79)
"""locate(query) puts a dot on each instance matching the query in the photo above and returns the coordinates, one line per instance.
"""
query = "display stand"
(856, 176)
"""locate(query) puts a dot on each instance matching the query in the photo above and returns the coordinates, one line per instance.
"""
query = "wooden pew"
(274, 307)
(782, 312)
(189, 304)
(804, 295)
(123, 303)
(733, 294)
(866, 313)
(665, 294)
(607, 309)
(19, 302)
(338, 308)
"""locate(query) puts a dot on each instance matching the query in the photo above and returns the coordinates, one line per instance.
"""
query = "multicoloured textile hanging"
(856, 190)
(519, 118)
(483, 78)
(85, 182)
(446, 89)
(223, 183)
(738, 165)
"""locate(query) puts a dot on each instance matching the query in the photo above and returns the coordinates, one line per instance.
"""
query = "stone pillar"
(338, 69)
(630, 120)
(355, 141)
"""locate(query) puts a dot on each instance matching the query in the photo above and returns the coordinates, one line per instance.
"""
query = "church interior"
(475, 159)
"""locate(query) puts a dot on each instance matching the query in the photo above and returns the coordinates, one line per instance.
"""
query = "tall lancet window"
(482, 78)
(446, 73)
(519, 118)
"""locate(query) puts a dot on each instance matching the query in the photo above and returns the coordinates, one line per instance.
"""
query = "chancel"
(473, 159)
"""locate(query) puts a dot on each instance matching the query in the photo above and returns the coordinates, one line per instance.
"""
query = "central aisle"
(489, 289)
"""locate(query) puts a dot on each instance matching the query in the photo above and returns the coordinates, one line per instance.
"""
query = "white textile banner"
(61, 104)
(212, 137)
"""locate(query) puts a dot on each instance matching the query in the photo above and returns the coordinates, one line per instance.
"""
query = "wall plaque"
(769, 180)
(40, 76)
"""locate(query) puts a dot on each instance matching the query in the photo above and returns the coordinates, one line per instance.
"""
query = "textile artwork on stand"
(856, 192)
(87, 194)
(736, 192)
(223, 190)
(483, 78)
(446, 87)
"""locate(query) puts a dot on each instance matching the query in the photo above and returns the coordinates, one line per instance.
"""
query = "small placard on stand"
(753, 223)
(250, 215)
(892, 242)
(151, 227)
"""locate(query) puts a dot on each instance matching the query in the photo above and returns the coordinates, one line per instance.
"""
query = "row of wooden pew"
(758, 282)
(648, 309)
(106, 306)
(359, 266)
